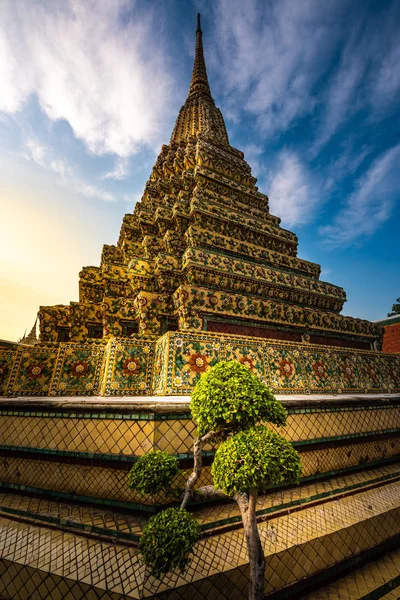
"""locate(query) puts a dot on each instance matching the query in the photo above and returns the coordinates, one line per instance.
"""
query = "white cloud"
(253, 154)
(44, 157)
(340, 96)
(293, 196)
(370, 205)
(384, 84)
(367, 77)
(346, 163)
(90, 65)
(273, 55)
(287, 60)
(120, 171)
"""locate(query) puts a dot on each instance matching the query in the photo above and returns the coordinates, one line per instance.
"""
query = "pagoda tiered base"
(172, 364)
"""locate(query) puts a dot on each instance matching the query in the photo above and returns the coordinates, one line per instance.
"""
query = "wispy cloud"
(339, 98)
(253, 154)
(273, 55)
(120, 170)
(293, 193)
(367, 77)
(90, 64)
(346, 163)
(287, 60)
(45, 158)
(370, 205)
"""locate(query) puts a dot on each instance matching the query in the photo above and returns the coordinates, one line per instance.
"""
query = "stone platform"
(70, 526)
(82, 449)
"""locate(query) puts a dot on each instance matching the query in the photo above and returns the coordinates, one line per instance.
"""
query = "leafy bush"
(168, 539)
(254, 459)
(153, 472)
(229, 396)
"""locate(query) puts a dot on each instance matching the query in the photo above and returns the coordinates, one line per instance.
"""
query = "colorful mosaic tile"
(33, 371)
(78, 369)
(173, 363)
(190, 358)
(129, 367)
(250, 355)
(160, 366)
(285, 369)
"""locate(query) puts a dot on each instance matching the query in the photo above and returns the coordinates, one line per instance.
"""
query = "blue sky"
(310, 91)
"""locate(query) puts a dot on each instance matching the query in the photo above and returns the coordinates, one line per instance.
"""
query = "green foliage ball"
(153, 472)
(230, 396)
(168, 540)
(254, 459)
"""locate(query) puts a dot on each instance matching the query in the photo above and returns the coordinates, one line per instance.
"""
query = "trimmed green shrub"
(153, 472)
(168, 540)
(230, 396)
(254, 459)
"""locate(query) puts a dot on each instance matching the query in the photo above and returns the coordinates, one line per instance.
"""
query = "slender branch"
(195, 474)
(198, 446)
(208, 437)
(208, 492)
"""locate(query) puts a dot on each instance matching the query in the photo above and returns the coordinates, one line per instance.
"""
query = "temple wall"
(391, 338)
(172, 364)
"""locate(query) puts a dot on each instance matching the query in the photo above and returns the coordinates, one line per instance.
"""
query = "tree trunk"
(247, 505)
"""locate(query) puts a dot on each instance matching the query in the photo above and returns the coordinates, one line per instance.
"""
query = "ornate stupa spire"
(30, 339)
(199, 81)
(199, 115)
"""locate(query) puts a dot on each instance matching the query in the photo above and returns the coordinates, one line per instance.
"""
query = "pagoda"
(201, 255)
(201, 252)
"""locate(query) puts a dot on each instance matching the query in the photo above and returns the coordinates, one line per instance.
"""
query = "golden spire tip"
(198, 23)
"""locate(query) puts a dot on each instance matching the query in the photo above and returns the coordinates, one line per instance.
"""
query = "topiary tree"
(153, 472)
(168, 539)
(229, 405)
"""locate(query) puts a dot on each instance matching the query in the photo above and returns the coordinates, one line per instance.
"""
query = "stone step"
(378, 579)
(212, 518)
(43, 560)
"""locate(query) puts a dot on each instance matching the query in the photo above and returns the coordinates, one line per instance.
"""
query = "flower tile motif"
(198, 362)
(322, 371)
(130, 367)
(78, 369)
(351, 378)
(249, 354)
(284, 369)
(191, 357)
(33, 371)
(319, 369)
